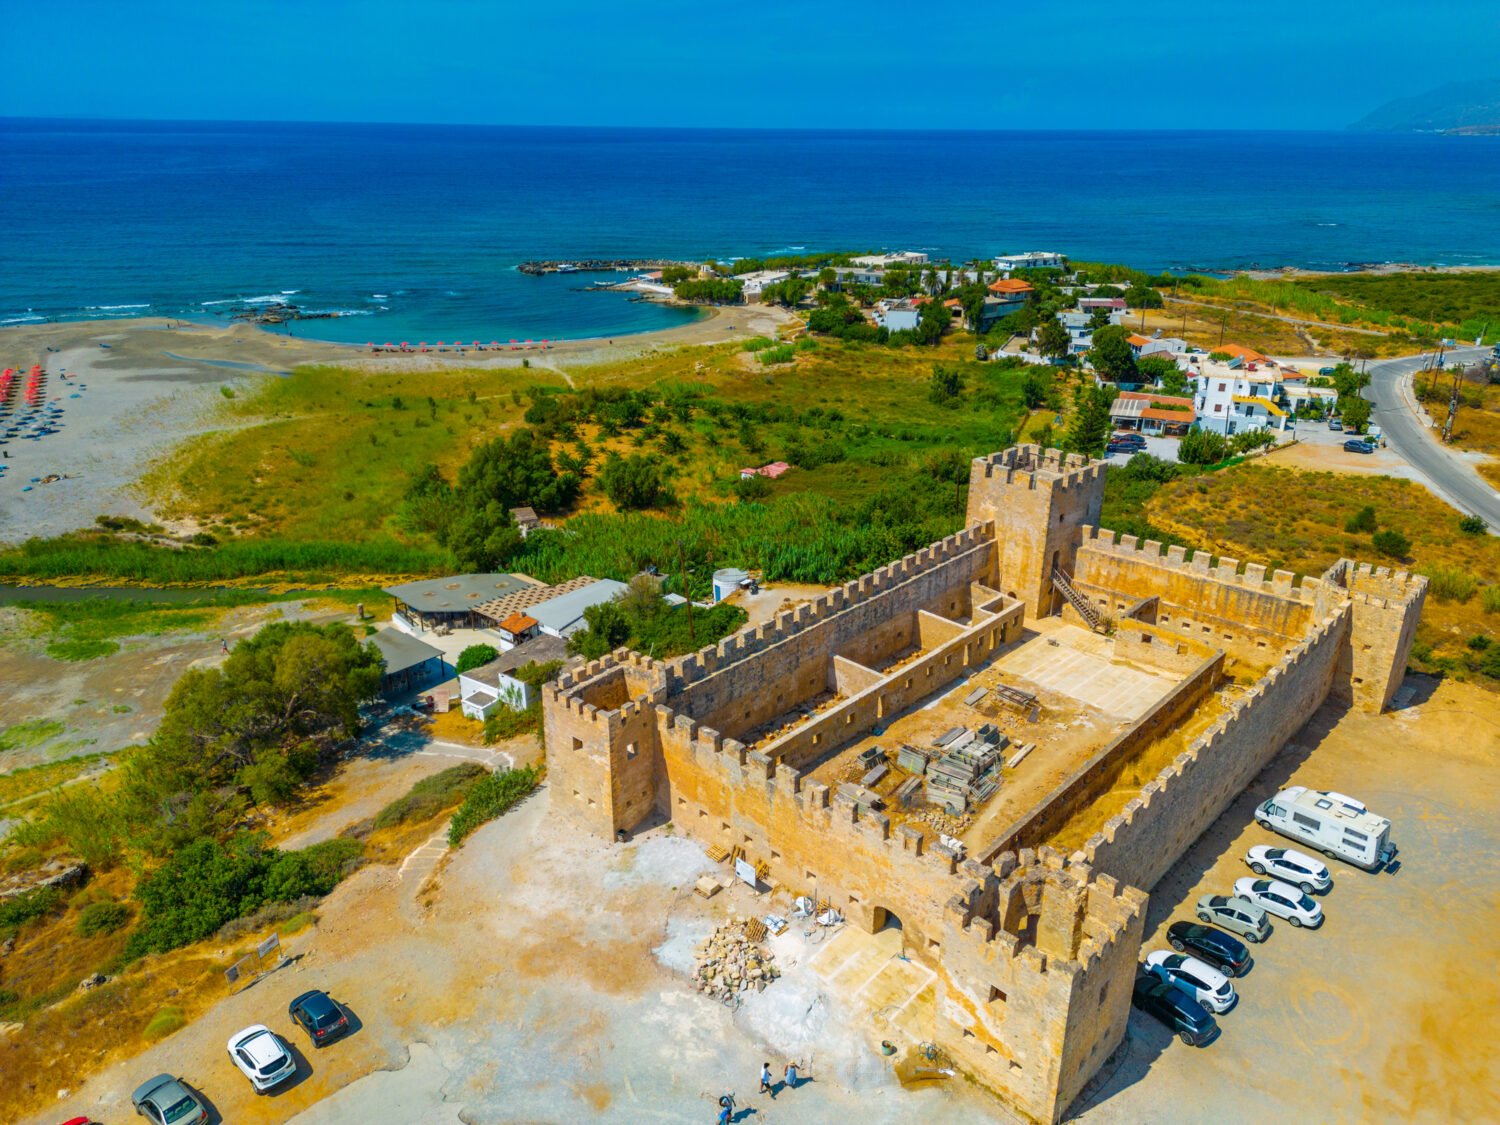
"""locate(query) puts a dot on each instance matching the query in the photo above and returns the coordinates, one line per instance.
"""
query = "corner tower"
(1039, 500)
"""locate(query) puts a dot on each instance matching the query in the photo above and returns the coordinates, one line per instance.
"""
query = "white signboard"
(267, 947)
(746, 871)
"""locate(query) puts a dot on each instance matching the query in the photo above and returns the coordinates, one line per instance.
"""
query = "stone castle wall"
(1153, 831)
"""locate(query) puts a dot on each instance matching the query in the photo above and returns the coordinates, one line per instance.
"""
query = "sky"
(1149, 64)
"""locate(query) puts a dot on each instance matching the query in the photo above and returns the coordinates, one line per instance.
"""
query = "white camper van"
(1338, 826)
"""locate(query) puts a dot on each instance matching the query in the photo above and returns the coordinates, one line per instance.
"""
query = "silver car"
(1237, 915)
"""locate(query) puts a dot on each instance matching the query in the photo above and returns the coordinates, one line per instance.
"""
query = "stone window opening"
(968, 1034)
(996, 995)
(578, 744)
(631, 750)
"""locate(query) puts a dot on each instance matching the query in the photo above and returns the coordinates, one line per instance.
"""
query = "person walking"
(726, 1108)
(765, 1079)
(791, 1075)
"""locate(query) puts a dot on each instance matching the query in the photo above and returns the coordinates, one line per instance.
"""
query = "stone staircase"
(1084, 607)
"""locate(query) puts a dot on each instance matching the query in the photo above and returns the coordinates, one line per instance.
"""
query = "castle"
(1034, 930)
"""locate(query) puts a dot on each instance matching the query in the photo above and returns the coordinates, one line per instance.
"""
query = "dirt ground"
(541, 976)
(1380, 1015)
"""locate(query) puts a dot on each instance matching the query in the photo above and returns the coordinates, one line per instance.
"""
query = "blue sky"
(1308, 64)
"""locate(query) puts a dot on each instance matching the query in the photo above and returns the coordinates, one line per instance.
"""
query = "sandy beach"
(144, 386)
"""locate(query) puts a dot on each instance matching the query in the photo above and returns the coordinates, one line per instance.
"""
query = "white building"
(897, 315)
(758, 280)
(562, 616)
(490, 686)
(904, 258)
(1032, 260)
(1229, 399)
(1080, 332)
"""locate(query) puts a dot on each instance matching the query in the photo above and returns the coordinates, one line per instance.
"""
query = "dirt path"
(1254, 310)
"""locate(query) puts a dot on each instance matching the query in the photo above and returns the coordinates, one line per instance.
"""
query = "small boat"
(566, 267)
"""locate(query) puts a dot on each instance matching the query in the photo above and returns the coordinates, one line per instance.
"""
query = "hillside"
(1458, 107)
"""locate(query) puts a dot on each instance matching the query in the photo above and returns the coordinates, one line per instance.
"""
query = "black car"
(1223, 952)
(1175, 1007)
(319, 1016)
(1354, 445)
(1130, 439)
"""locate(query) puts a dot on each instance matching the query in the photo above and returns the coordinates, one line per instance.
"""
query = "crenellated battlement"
(1035, 466)
(1227, 570)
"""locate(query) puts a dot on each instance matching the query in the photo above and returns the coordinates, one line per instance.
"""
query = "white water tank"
(727, 581)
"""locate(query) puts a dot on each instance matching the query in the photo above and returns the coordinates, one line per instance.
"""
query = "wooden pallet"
(755, 930)
(718, 853)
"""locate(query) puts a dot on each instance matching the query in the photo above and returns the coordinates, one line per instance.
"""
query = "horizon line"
(111, 119)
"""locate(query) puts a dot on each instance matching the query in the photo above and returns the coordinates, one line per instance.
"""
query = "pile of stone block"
(729, 962)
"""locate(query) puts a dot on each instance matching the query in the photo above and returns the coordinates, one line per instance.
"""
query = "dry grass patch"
(1296, 521)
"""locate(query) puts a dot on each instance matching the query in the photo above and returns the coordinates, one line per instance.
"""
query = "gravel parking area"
(1380, 1014)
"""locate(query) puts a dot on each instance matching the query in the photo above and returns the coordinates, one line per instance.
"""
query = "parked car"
(167, 1101)
(1223, 952)
(1282, 900)
(1175, 1007)
(1237, 915)
(1335, 424)
(318, 1015)
(1211, 987)
(1355, 445)
(1129, 439)
(262, 1057)
(1290, 866)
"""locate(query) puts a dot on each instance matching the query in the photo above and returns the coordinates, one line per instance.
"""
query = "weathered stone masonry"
(1034, 952)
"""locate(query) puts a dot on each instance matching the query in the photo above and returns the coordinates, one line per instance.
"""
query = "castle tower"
(1386, 607)
(1039, 499)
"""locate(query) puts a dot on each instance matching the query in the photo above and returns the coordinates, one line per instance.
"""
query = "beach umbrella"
(476, 343)
(494, 343)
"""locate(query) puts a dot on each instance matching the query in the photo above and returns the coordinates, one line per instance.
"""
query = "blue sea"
(414, 232)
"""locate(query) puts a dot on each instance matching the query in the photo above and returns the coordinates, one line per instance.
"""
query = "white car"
(1282, 900)
(262, 1057)
(1290, 866)
(1211, 987)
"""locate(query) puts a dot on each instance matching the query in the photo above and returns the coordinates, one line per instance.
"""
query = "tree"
(946, 386)
(473, 657)
(788, 293)
(1391, 542)
(1356, 412)
(1034, 389)
(1052, 340)
(1089, 430)
(1098, 318)
(1143, 297)
(428, 506)
(1160, 370)
(1347, 381)
(608, 628)
(1202, 447)
(1111, 354)
(633, 482)
(715, 290)
(932, 322)
(1361, 521)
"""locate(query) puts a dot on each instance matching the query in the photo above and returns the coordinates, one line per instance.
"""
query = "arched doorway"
(882, 919)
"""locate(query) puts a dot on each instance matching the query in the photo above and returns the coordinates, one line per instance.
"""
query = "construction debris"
(728, 962)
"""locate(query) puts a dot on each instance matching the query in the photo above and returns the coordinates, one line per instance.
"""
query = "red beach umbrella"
(476, 343)
(494, 343)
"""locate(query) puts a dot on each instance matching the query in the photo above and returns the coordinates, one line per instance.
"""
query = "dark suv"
(1175, 1007)
(1223, 952)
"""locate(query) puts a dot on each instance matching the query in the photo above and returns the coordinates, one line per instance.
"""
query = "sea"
(413, 232)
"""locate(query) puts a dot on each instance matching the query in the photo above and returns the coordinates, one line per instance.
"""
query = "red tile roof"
(1010, 285)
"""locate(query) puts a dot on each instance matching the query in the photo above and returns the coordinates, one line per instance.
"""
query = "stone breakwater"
(601, 265)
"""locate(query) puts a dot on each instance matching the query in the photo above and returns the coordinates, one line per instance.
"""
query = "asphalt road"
(1395, 412)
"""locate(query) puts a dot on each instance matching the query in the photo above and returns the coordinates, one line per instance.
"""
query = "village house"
(1080, 329)
(1151, 414)
(771, 471)
(897, 315)
(526, 519)
(1172, 346)
(485, 689)
(1032, 260)
(903, 258)
(1110, 304)
(1230, 398)
(757, 280)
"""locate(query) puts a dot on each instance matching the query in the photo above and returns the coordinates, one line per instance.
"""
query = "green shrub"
(102, 918)
(1391, 542)
(207, 884)
(1202, 447)
(505, 723)
(1473, 525)
(16, 911)
(488, 799)
(164, 1023)
(430, 796)
(1490, 599)
(757, 343)
(1450, 584)
(782, 353)
(1362, 520)
(475, 656)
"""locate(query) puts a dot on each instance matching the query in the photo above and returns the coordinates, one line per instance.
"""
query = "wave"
(339, 312)
(379, 296)
(225, 301)
(29, 318)
(110, 308)
(289, 292)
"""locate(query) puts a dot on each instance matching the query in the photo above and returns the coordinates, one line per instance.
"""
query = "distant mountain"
(1459, 107)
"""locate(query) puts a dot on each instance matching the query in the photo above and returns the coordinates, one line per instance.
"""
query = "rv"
(1338, 826)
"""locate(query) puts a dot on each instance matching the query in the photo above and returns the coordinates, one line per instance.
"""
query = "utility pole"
(1458, 378)
(1223, 324)
(682, 565)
